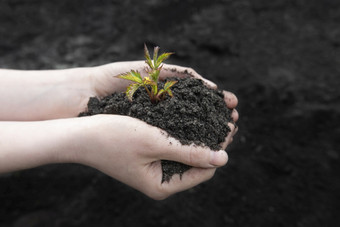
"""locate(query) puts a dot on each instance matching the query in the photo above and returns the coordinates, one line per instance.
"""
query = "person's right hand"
(131, 151)
(125, 148)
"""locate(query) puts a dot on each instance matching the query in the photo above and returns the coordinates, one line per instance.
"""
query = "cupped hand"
(106, 83)
(134, 157)
(131, 151)
(105, 80)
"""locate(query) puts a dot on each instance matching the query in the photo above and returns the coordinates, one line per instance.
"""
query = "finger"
(209, 84)
(192, 155)
(229, 138)
(230, 99)
(234, 115)
(189, 179)
(169, 70)
(184, 72)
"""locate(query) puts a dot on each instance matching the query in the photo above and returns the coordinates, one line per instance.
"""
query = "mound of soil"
(196, 114)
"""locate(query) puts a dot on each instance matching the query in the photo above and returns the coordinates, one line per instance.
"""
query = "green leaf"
(147, 56)
(131, 90)
(153, 84)
(160, 92)
(133, 76)
(162, 58)
(137, 75)
(170, 93)
(148, 81)
(154, 74)
(166, 89)
(169, 84)
(155, 54)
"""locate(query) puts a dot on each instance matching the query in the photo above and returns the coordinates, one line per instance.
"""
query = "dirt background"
(280, 57)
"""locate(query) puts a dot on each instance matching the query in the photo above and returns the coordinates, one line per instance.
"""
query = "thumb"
(193, 155)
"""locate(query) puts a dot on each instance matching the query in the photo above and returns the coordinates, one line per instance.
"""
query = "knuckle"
(193, 156)
(232, 127)
(191, 70)
(197, 156)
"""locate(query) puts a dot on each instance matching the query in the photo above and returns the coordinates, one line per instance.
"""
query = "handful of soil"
(196, 114)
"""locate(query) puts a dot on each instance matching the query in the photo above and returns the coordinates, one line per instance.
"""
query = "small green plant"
(150, 82)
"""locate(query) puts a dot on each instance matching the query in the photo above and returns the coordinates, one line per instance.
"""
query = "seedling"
(150, 82)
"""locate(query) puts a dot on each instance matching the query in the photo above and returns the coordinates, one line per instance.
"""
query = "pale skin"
(39, 126)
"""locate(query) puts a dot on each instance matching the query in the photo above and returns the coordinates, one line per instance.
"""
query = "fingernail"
(218, 158)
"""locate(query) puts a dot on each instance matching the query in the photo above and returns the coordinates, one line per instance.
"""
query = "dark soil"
(281, 58)
(195, 115)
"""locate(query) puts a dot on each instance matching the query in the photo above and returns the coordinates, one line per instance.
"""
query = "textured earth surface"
(195, 114)
(281, 58)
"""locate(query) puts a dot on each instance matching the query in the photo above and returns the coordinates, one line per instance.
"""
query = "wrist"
(100, 142)
(44, 94)
(78, 86)
(82, 140)
(85, 140)
(76, 138)
(25, 145)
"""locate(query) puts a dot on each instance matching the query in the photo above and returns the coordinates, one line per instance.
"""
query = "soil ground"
(195, 114)
(280, 57)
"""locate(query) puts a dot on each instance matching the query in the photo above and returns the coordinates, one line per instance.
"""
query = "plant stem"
(148, 91)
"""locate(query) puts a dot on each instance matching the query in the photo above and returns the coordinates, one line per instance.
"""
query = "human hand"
(125, 148)
(131, 151)
(53, 94)
(106, 83)
(81, 85)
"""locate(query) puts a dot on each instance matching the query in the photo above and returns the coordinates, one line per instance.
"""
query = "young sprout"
(150, 82)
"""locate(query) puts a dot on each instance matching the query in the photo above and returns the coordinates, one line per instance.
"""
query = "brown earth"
(280, 57)
(195, 114)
